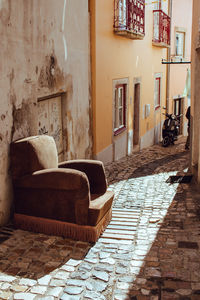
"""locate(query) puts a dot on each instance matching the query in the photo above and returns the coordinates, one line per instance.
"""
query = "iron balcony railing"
(161, 28)
(129, 18)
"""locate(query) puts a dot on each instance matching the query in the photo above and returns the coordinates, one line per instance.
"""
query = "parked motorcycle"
(170, 130)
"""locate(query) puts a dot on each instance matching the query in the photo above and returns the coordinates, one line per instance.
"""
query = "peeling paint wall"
(44, 53)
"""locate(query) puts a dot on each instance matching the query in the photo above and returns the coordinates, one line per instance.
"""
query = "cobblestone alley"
(149, 251)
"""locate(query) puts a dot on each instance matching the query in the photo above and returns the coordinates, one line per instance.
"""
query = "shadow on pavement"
(146, 163)
(150, 168)
(31, 255)
(170, 268)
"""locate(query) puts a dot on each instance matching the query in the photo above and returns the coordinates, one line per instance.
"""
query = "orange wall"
(116, 57)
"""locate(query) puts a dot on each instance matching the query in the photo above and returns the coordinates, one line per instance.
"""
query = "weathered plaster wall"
(44, 51)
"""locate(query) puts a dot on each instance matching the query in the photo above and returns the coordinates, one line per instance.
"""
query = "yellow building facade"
(128, 78)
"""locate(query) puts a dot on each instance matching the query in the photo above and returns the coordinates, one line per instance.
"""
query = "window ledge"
(157, 107)
(160, 44)
(120, 130)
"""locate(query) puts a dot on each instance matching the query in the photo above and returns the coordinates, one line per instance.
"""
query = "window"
(180, 44)
(157, 91)
(120, 108)
(178, 108)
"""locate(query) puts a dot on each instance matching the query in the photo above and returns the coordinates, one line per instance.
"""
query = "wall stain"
(67, 101)
(50, 75)
(88, 152)
(69, 87)
(27, 21)
(66, 131)
(5, 13)
(66, 139)
(12, 76)
(13, 97)
(21, 121)
(27, 80)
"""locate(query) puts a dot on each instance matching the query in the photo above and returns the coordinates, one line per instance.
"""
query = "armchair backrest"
(32, 154)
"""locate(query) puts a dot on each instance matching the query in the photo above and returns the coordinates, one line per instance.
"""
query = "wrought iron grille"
(129, 16)
(161, 27)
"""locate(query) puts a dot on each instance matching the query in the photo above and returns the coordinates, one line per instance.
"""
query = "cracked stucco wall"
(44, 51)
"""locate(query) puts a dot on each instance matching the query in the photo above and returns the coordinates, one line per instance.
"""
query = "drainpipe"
(168, 59)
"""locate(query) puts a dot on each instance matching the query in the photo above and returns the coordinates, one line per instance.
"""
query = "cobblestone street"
(149, 251)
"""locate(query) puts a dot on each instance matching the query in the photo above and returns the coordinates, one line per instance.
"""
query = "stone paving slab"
(150, 250)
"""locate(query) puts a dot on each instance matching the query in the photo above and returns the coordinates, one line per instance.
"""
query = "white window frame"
(120, 91)
(120, 108)
(181, 45)
(157, 90)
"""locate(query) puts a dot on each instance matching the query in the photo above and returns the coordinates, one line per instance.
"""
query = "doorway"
(136, 115)
(178, 110)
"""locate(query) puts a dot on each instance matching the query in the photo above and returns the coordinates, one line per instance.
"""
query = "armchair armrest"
(54, 193)
(59, 179)
(94, 170)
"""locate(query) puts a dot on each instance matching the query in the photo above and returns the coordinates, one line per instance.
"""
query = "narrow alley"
(150, 249)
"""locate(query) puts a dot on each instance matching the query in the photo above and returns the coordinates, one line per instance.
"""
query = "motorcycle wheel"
(166, 141)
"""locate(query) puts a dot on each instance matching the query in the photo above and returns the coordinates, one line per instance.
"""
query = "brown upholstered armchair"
(68, 198)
